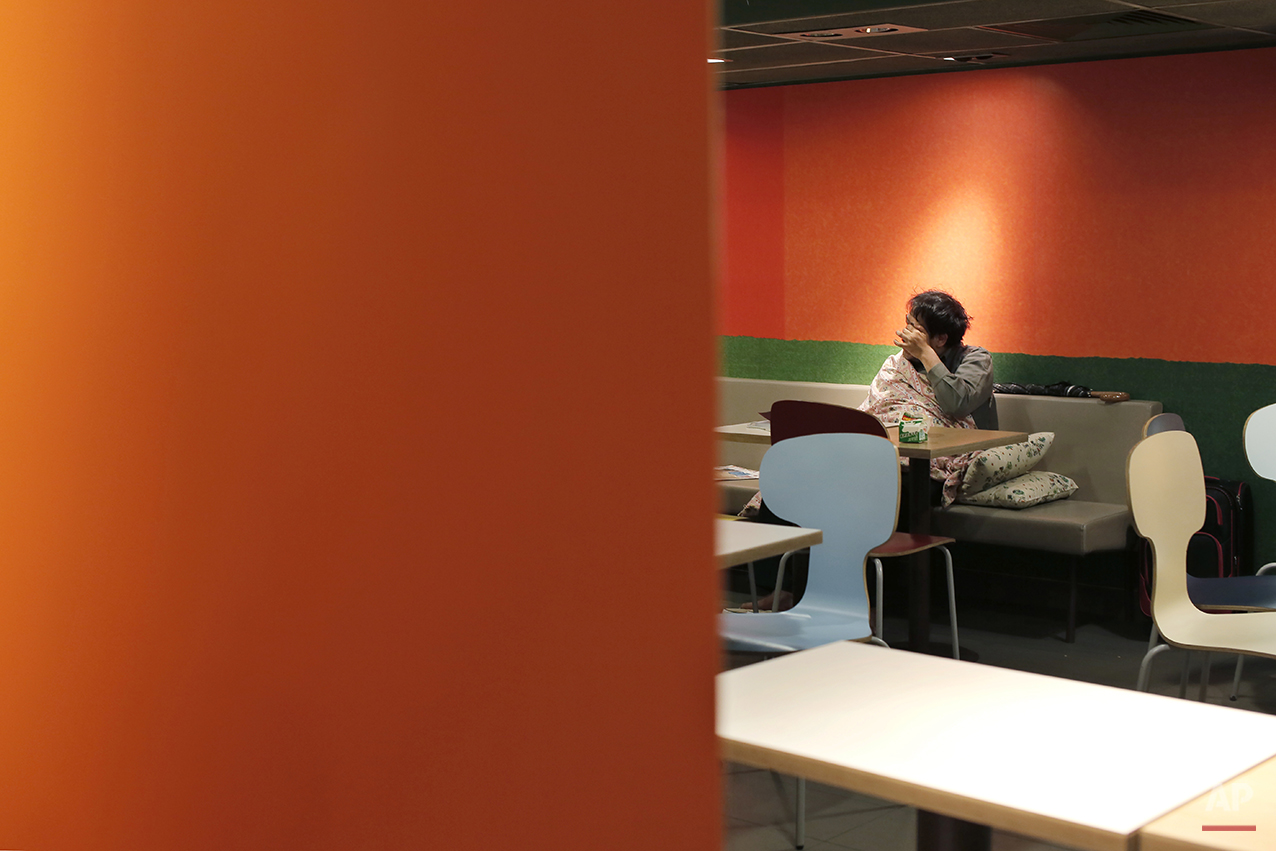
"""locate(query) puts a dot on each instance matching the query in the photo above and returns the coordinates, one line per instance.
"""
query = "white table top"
(738, 541)
(1074, 763)
(746, 432)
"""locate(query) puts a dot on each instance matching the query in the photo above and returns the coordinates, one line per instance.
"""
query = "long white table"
(1067, 762)
(738, 541)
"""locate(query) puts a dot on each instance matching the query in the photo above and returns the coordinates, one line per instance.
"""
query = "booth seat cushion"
(1069, 526)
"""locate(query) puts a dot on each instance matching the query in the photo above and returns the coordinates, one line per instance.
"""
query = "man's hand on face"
(916, 343)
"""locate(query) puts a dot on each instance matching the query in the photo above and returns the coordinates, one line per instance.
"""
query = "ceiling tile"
(792, 53)
(739, 12)
(950, 41)
(1022, 32)
(1142, 46)
(883, 67)
(956, 13)
(1247, 14)
(734, 39)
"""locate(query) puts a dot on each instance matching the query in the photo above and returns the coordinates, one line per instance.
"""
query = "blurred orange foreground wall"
(317, 322)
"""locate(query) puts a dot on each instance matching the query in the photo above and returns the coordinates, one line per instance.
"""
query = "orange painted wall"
(753, 198)
(308, 537)
(1114, 209)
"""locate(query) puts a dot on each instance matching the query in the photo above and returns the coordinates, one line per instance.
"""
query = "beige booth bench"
(1092, 440)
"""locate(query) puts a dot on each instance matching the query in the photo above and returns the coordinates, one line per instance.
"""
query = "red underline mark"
(1229, 827)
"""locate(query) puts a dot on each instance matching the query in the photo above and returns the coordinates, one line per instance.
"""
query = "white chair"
(1212, 593)
(1260, 441)
(1167, 500)
(1259, 436)
(1163, 422)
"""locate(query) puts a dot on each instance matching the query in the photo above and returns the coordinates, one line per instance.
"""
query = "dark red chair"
(795, 418)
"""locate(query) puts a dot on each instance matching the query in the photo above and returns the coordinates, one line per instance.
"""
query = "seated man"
(937, 376)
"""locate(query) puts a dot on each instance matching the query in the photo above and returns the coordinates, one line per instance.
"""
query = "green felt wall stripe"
(1214, 399)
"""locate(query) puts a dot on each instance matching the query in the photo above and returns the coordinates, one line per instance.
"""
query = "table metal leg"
(799, 831)
(943, 833)
(919, 569)
(753, 588)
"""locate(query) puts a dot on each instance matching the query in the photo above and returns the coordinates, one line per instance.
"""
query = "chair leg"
(1205, 677)
(753, 587)
(877, 630)
(1187, 667)
(1146, 665)
(952, 600)
(799, 827)
(1240, 660)
(779, 583)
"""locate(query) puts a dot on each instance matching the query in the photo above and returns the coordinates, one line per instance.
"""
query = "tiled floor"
(758, 805)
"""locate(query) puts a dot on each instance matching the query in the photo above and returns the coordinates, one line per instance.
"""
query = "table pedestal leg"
(943, 833)
(919, 569)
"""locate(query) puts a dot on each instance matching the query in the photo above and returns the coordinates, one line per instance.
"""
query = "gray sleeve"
(961, 392)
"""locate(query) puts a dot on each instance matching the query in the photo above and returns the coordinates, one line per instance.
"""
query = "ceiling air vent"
(1136, 22)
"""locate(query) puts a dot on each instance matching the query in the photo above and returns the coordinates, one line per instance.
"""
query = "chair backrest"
(1167, 502)
(1163, 422)
(846, 485)
(797, 418)
(1260, 441)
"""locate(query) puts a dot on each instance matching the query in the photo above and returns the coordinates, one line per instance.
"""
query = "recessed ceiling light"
(973, 57)
(718, 61)
(852, 32)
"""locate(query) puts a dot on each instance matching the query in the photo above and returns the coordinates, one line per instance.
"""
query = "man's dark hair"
(940, 313)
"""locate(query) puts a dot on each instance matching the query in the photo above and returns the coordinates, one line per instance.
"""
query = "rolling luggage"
(1222, 547)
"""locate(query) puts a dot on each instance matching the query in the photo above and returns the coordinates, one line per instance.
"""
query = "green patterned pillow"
(1022, 491)
(994, 466)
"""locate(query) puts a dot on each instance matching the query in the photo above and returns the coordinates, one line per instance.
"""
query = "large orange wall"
(1115, 209)
(309, 378)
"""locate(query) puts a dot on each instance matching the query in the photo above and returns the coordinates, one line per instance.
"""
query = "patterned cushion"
(994, 466)
(1022, 491)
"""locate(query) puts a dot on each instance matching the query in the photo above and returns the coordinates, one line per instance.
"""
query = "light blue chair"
(846, 485)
